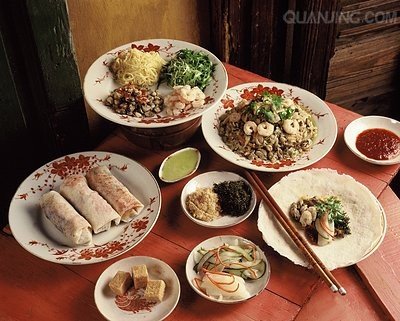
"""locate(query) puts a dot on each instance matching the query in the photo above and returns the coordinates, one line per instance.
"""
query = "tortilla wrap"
(89, 203)
(367, 218)
(121, 199)
(65, 218)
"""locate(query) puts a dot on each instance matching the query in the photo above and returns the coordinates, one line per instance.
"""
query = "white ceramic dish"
(254, 287)
(323, 116)
(179, 165)
(158, 270)
(360, 124)
(99, 83)
(310, 183)
(207, 180)
(38, 235)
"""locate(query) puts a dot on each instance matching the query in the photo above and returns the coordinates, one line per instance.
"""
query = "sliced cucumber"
(203, 260)
(242, 251)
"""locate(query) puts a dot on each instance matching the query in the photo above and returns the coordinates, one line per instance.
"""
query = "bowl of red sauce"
(375, 139)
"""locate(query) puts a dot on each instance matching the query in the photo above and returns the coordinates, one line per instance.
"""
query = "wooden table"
(34, 289)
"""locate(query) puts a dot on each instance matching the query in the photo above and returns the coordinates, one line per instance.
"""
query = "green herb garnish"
(274, 100)
(270, 107)
(286, 113)
(188, 68)
(333, 206)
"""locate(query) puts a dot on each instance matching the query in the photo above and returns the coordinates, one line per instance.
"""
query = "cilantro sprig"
(270, 107)
(333, 206)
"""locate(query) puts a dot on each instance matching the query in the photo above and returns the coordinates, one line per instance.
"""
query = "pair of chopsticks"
(294, 234)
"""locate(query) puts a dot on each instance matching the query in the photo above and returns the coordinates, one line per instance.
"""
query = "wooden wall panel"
(364, 71)
(250, 35)
(313, 45)
(43, 110)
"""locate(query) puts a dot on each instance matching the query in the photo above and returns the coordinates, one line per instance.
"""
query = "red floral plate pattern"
(99, 82)
(38, 236)
(132, 305)
(323, 117)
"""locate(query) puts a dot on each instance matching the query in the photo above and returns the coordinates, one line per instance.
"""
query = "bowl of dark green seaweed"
(218, 199)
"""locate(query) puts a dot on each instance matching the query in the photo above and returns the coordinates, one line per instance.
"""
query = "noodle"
(137, 67)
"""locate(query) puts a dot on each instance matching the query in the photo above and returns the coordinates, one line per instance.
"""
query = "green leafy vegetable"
(274, 100)
(333, 206)
(268, 114)
(286, 113)
(188, 68)
(270, 107)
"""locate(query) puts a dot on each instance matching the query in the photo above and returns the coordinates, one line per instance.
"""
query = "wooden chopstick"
(294, 234)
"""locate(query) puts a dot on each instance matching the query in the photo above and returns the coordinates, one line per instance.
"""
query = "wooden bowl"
(164, 137)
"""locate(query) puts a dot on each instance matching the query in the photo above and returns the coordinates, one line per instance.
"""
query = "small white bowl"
(254, 287)
(182, 166)
(359, 125)
(207, 180)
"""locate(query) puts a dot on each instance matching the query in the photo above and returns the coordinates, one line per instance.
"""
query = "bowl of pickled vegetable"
(227, 269)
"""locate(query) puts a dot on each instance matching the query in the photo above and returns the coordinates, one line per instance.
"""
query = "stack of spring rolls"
(90, 203)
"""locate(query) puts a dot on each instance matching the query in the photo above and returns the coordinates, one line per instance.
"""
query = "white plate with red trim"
(35, 233)
(322, 116)
(99, 83)
(132, 305)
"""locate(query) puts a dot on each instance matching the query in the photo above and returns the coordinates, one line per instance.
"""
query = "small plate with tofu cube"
(140, 286)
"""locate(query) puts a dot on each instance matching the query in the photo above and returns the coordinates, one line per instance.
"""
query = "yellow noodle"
(137, 67)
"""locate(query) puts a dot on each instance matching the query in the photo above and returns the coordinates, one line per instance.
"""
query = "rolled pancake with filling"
(65, 218)
(89, 203)
(121, 199)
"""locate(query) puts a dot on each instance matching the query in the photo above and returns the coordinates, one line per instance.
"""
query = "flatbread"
(65, 218)
(89, 203)
(114, 192)
(367, 218)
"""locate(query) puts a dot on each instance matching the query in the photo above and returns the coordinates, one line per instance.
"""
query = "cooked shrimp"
(265, 129)
(306, 218)
(290, 126)
(249, 127)
(183, 98)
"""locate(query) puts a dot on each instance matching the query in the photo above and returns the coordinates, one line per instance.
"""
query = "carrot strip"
(218, 284)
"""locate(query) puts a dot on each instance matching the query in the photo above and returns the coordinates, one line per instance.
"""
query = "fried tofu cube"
(140, 276)
(121, 282)
(154, 291)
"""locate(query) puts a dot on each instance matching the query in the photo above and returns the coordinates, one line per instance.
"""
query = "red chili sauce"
(378, 143)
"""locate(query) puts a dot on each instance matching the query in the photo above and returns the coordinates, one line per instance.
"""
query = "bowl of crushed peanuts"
(218, 199)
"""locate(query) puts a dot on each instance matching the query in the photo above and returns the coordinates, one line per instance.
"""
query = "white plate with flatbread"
(367, 217)
(35, 233)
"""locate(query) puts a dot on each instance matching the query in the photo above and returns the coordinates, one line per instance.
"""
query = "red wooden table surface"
(34, 289)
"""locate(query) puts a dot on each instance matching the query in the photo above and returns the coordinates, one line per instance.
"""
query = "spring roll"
(89, 203)
(121, 199)
(65, 218)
